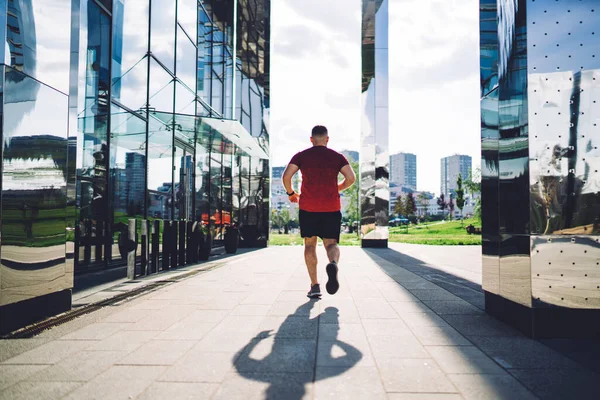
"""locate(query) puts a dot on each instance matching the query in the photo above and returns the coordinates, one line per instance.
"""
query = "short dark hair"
(319, 130)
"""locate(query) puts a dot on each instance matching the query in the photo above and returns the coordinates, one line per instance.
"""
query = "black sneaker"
(314, 292)
(332, 285)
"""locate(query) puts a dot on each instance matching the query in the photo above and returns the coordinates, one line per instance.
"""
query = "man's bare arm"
(289, 172)
(349, 178)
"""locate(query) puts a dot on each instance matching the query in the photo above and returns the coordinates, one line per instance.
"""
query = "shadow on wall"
(290, 365)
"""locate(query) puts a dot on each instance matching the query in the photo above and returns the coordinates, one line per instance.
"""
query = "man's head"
(319, 136)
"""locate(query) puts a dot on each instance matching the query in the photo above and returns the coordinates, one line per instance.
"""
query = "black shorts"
(325, 225)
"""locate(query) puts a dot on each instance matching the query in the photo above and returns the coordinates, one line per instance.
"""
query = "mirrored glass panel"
(187, 13)
(130, 45)
(160, 170)
(186, 60)
(32, 50)
(34, 168)
(161, 88)
(162, 35)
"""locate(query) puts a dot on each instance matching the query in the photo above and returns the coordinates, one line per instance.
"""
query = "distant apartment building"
(403, 170)
(449, 170)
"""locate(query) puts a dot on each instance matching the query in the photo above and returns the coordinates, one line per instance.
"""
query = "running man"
(319, 200)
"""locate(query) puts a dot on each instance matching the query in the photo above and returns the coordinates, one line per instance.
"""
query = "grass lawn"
(437, 233)
(445, 233)
(294, 239)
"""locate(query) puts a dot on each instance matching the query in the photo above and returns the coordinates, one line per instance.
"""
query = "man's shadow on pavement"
(292, 362)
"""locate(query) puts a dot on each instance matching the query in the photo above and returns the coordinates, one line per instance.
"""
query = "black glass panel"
(34, 170)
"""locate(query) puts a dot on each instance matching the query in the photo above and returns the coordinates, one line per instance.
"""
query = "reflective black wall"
(34, 127)
(374, 159)
(540, 159)
(114, 110)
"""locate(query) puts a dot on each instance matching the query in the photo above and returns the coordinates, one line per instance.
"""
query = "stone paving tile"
(266, 385)
(11, 374)
(385, 347)
(251, 309)
(443, 307)
(557, 384)
(347, 332)
(128, 315)
(463, 360)
(200, 366)
(207, 315)
(342, 383)
(424, 396)
(186, 330)
(124, 341)
(433, 294)
(409, 307)
(414, 375)
(298, 308)
(375, 308)
(439, 336)
(480, 325)
(386, 327)
(178, 390)
(10, 348)
(97, 331)
(50, 353)
(291, 327)
(423, 319)
(118, 382)
(278, 355)
(151, 304)
(340, 353)
(490, 386)
(158, 352)
(80, 367)
(521, 352)
(38, 390)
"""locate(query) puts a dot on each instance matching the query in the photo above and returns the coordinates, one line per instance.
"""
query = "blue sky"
(434, 78)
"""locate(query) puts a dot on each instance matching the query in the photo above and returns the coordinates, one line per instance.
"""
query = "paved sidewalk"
(246, 331)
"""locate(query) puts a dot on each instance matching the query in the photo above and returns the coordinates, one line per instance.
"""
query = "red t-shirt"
(320, 167)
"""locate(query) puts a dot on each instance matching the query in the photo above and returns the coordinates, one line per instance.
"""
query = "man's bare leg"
(310, 257)
(333, 250)
(333, 253)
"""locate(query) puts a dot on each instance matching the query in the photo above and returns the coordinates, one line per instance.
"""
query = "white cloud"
(434, 78)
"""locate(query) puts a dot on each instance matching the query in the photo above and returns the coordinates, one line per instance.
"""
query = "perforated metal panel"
(564, 111)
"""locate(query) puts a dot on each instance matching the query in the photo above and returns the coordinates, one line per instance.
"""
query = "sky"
(434, 79)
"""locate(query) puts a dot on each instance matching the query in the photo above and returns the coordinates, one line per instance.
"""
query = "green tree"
(473, 186)
(284, 218)
(450, 206)
(423, 200)
(352, 209)
(410, 206)
(441, 202)
(460, 195)
(399, 207)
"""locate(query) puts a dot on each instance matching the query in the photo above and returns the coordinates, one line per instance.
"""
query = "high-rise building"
(403, 170)
(450, 168)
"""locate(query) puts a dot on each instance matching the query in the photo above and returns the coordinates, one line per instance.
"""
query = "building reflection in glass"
(374, 131)
(156, 110)
(541, 188)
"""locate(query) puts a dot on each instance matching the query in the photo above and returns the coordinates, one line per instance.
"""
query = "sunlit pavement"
(407, 323)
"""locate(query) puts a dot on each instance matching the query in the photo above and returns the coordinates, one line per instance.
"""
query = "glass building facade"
(129, 110)
(540, 182)
(374, 150)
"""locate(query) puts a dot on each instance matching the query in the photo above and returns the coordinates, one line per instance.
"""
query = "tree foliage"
(410, 206)
(460, 194)
(441, 202)
(352, 209)
(399, 207)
